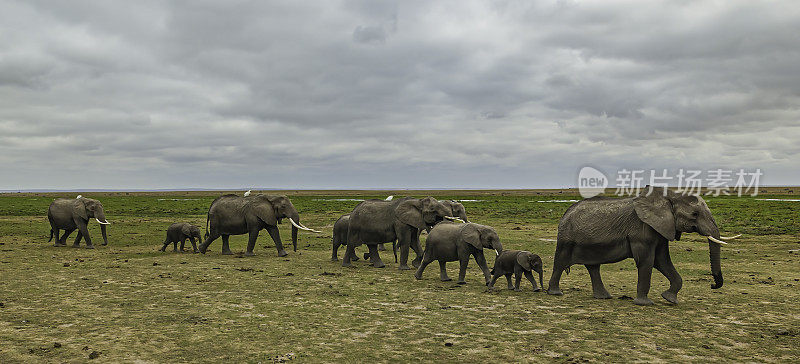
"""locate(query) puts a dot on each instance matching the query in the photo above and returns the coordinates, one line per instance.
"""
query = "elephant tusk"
(497, 252)
(310, 229)
(716, 240)
(302, 227)
(101, 222)
(730, 237)
(451, 218)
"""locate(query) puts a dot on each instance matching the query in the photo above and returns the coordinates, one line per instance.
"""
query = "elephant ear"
(523, 259)
(265, 212)
(472, 235)
(186, 230)
(410, 212)
(656, 210)
(79, 209)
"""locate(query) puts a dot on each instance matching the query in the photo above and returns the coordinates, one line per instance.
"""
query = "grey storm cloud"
(403, 94)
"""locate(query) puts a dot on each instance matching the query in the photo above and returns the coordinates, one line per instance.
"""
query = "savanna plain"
(129, 302)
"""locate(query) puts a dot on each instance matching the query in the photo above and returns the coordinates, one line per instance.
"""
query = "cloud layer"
(407, 94)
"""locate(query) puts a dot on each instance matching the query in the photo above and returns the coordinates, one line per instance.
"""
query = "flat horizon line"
(56, 190)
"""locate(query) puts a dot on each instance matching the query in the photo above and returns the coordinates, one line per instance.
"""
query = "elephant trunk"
(714, 256)
(497, 246)
(296, 218)
(103, 232)
(541, 281)
(100, 216)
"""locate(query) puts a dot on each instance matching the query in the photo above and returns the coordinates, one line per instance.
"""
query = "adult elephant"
(236, 215)
(603, 230)
(71, 214)
(379, 221)
(456, 209)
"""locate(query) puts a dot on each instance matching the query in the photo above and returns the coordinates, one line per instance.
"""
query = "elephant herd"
(592, 232)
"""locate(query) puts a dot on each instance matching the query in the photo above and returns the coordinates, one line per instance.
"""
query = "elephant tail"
(51, 236)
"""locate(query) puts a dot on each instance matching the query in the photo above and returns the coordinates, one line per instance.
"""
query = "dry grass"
(129, 302)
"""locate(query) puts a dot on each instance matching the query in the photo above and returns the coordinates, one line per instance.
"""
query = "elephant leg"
(335, 250)
(78, 238)
(404, 257)
(251, 243)
(275, 234)
(481, 261)
(375, 256)
(164, 247)
(394, 250)
(644, 256)
(494, 279)
(529, 276)
(561, 262)
(427, 258)
(55, 234)
(663, 263)
(175, 246)
(508, 278)
(462, 269)
(597, 283)
(83, 229)
(194, 245)
(517, 278)
(213, 235)
(183, 243)
(417, 249)
(64, 236)
(443, 271)
(381, 247)
(348, 254)
(226, 249)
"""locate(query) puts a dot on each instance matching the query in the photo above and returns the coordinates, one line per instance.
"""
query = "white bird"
(247, 193)
(390, 198)
(79, 196)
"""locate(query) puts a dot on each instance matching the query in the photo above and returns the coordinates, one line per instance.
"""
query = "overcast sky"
(392, 94)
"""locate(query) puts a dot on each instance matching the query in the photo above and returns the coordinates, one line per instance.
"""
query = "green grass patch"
(129, 302)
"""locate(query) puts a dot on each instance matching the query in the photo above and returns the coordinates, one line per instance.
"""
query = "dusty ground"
(129, 302)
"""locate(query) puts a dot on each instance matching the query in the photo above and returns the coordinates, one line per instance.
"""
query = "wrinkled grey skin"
(340, 228)
(603, 230)
(450, 242)
(70, 214)
(178, 233)
(518, 262)
(340, 238)
(456, 210)
(377, 221)
(236, 215)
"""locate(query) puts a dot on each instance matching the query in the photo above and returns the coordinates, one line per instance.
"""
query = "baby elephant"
(450, 242)
(517, 262)
(179, 232)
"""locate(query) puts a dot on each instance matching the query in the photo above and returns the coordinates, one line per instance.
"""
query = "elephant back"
(444, 232)
(372, 221)
(598, 220)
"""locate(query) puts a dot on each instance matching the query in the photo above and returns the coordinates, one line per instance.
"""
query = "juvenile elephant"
(450, 242)
(236, 215)
(379, 221)
(604, 230)
(517, 262)
(179, 232)
(70, 214)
